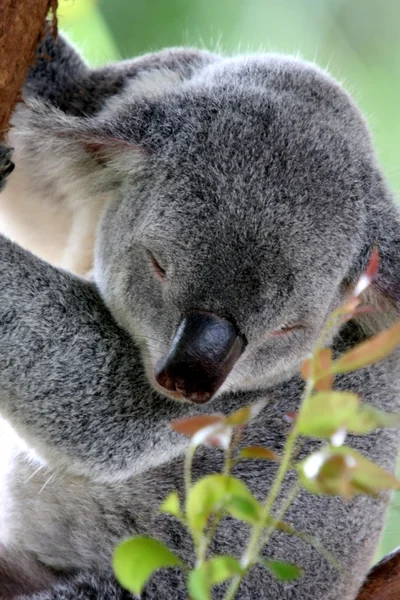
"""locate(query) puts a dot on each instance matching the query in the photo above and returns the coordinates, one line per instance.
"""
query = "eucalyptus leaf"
(218, 492)
(369, 352)
(345, 472)
(283, 571)
(136, 560)
(212, 572)
(325, 412)
(171, 505)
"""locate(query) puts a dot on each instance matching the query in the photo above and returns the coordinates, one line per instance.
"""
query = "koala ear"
(73, 149)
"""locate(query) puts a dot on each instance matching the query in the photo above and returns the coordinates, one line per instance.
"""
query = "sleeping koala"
(240, 199)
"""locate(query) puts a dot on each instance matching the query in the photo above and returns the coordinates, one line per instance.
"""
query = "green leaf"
(199, 586)
(281, 570)
(214, 493)
(213, 572)
(326, 412)
(244, 509)
(222, 568)
(369, 418)
(259, 452)
(240, 416)
(171, 505)
(136, 560)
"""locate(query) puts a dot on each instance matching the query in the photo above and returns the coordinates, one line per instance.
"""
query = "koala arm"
(71, 381)
(82, 587)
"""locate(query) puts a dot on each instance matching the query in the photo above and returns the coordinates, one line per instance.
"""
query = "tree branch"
(22, 26)
(383, 581)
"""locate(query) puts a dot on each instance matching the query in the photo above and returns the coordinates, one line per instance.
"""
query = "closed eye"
(158, 270)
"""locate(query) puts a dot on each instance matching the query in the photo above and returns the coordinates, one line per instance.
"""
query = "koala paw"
(6, 165)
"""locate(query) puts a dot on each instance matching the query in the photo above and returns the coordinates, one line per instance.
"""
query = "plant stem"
(249, 555)
(278, 518)
(207, 538)
(228, 460)
(187, 469)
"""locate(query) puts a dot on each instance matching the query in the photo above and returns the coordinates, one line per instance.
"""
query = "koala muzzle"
(201, 356)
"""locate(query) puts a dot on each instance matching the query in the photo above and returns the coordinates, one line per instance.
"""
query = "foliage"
(334, 469)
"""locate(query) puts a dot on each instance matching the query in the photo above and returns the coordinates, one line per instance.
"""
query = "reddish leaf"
(369, 476)
(319, 368)
(192, 425)
(370, 351)
(360, 310)
(306, 369)
(369, 275)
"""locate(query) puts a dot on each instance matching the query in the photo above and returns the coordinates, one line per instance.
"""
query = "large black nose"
(202, 354)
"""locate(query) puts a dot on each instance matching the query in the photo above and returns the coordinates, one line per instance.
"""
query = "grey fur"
(254, 182)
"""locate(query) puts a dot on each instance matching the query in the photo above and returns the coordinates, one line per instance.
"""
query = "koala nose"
(201, 356)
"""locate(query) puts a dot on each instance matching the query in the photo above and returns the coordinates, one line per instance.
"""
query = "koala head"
(239, 219)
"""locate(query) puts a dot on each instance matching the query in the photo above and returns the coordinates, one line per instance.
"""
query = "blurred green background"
(357, 40)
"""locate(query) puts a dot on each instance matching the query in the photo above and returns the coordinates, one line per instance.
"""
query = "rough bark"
(22, 25)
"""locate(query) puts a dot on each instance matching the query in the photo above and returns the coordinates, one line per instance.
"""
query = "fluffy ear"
(67, 130)
(72, 150)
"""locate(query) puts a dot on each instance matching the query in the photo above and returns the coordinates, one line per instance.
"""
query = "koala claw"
(6, 164)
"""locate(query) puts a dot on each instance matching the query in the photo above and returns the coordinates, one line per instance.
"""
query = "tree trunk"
(22, 25)
(383, 581)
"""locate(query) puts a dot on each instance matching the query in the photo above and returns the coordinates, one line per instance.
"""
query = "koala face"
(227, 249)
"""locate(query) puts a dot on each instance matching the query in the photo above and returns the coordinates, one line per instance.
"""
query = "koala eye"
(283, 329)
(158, 270)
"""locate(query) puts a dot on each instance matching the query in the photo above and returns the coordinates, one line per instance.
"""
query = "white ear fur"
(86, 144)
(72, 148)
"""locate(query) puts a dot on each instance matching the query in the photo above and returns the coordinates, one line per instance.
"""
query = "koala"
(238, 201)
